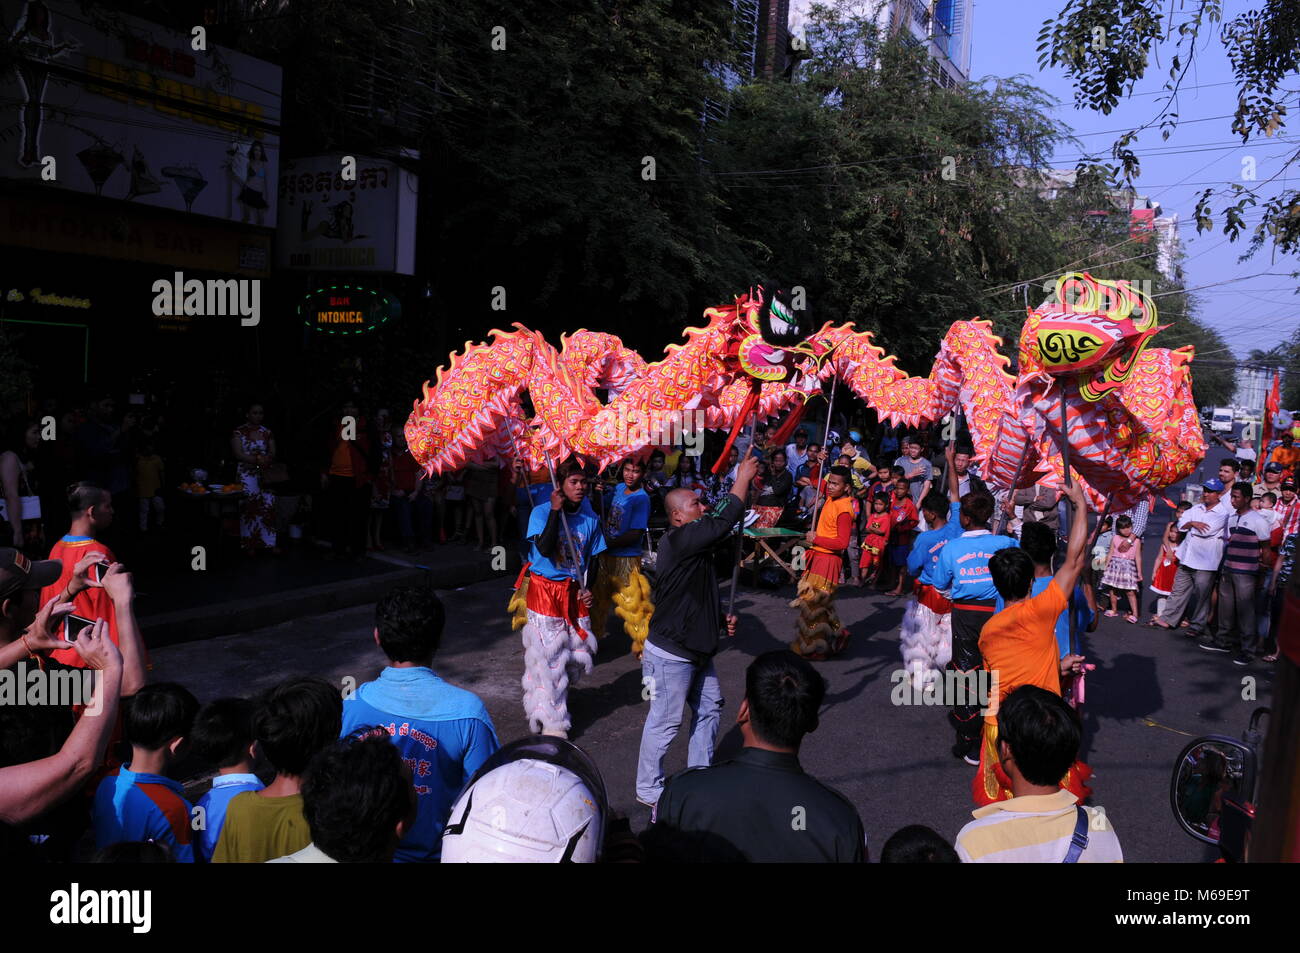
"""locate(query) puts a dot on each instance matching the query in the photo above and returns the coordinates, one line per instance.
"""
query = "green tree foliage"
(1285, 356)
(602, 162)
(1106, 46)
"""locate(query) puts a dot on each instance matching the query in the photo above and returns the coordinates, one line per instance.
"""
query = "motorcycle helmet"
(538, 800)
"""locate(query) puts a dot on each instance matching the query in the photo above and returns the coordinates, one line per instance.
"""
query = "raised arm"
(121, 589)
(28, 790)
(950, 467)
(1072, 565)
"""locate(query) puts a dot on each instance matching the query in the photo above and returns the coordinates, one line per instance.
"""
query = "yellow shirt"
(148, 476)
(1035, 829)
(259, 829)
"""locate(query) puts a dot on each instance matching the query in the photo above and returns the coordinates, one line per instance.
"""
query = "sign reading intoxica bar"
(348, 309)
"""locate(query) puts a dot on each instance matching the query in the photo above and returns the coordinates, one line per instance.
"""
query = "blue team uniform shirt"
(443, 733)
(214, 804)
(925, 551)
(140, 807)
(627, 511)
(963, 566)
(587, 538)
(1082, 614)
(532, 495)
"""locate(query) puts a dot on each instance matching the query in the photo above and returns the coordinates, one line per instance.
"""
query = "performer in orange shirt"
(91, 509)
(820, 633)
(1019, 648)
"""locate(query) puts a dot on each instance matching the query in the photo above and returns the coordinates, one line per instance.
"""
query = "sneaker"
(1211, 645)
(972, 760)
(962, 749)
(1242, 658)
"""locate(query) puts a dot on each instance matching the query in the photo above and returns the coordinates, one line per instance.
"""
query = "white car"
(1221, 420)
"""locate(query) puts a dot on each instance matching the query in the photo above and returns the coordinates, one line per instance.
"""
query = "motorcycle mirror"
(1209, 771)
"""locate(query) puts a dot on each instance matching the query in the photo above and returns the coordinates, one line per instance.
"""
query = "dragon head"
(1092, 329)
(771, 335)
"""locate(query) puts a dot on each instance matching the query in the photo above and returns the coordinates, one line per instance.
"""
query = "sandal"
(1111, 613)
(1131, 619)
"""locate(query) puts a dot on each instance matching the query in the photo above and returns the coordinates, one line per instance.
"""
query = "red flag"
(1271, 406)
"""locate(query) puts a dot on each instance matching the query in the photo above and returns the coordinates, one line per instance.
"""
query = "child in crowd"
(1124, 568)
(1101, 548)
(1268, 507)
(879, 523)
(223, 738)
(295, 719)
(139, 802)
(903, 519)
(1162, 577)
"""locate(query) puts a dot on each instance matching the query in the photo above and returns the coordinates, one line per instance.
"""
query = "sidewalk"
(183, 605)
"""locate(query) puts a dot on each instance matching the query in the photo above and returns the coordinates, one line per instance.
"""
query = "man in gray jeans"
(677, 664)
(1199, 556)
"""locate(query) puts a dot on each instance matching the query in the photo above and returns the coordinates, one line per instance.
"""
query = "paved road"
(1152, 692)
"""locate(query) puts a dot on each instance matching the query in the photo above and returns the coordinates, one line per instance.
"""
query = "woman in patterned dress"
(254, 448)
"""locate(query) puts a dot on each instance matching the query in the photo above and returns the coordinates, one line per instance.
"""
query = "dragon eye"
(782, 321)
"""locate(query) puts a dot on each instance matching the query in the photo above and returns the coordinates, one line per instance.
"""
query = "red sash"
(933, 599)
(557, 598)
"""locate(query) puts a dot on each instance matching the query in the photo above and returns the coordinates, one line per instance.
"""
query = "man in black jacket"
(760, 806)
(677, 664)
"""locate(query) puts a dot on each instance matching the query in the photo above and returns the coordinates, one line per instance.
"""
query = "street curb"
(241, 615)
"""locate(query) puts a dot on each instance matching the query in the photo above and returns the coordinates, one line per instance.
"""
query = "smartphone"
(73, 626)
(98, 571)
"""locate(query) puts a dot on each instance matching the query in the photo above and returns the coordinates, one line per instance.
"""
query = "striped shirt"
(1246, 533)
(1290, 513)
(1035, 829)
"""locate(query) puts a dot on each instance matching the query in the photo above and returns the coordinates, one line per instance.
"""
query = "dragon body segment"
(1131, 421)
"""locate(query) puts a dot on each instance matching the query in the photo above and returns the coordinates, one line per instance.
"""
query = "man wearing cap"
(21, 582)
(1272, 482)
(1199, 556)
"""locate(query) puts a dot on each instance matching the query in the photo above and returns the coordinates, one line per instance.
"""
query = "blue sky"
(1257, 312)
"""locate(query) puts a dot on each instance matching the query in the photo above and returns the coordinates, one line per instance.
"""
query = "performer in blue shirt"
(443, 733)
(926, 637)
(618, 574)
(558, 644)
(962, 570)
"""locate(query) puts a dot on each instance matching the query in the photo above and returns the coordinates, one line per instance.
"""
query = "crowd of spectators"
(308, 773)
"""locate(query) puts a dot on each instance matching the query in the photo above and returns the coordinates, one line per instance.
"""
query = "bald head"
(683, 507)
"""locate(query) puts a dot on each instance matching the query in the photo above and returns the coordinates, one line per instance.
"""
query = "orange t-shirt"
(341, 460)
(828, 519)
(1019, 645)
(91, 603)
(1288, 458)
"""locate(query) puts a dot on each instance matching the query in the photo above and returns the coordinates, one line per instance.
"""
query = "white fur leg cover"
(926, 642)
(555, 657)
